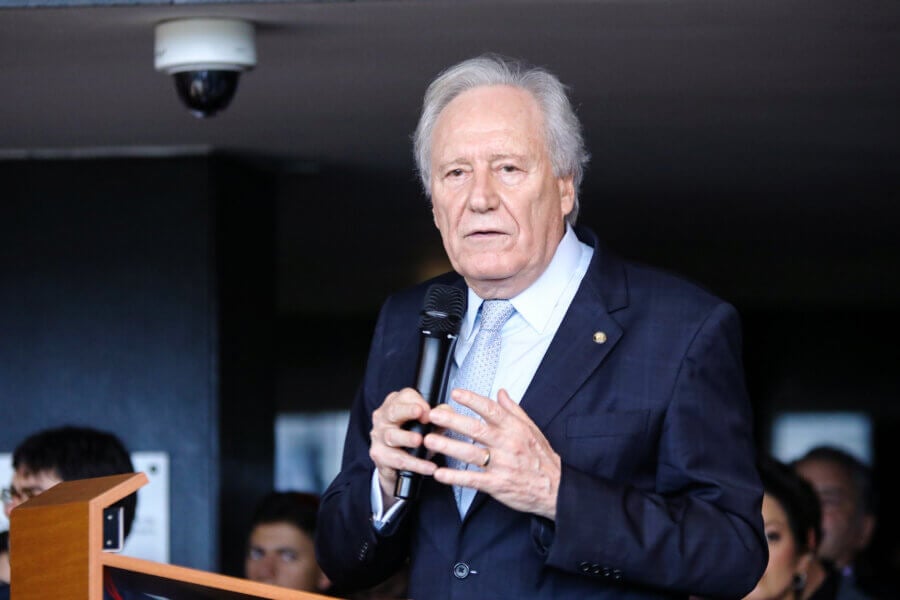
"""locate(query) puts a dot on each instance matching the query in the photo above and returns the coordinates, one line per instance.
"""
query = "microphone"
(439, 324)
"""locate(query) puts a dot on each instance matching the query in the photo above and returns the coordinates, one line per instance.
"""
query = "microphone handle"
(432, 375)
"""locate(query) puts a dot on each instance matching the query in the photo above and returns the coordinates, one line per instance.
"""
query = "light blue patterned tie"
(477, 375)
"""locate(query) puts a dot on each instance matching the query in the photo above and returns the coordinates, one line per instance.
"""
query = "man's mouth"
(484, 233)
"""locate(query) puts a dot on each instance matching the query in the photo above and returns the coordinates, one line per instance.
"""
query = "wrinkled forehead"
(487, 121)
(489, 108)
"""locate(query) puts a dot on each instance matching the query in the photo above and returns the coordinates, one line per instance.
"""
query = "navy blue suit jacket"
(659, 495)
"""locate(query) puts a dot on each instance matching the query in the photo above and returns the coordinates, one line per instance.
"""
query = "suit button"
(460, 570)
(617, 575)
(606, 571)
(584, 567)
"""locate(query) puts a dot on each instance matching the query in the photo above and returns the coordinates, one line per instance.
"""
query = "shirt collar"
(535, 304)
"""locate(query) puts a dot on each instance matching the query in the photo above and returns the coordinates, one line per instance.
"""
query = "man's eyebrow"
(505, 156)
(491, 158)
(455, 161)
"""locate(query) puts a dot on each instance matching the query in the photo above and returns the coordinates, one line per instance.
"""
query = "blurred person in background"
(280, 546)
(280, 549)
(68, 453)
(844, 487)
(792, 518)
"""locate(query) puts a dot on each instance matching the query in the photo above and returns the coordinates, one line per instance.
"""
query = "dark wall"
(107, 316)
(245, 267)
(838, 359)
(137, 296)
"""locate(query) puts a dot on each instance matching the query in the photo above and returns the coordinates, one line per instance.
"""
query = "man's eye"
(509, 168)
(773, 536)
(287, 555)
(454, 173)
(255, 554)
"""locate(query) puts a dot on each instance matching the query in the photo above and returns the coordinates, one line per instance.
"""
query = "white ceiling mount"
(204, 44)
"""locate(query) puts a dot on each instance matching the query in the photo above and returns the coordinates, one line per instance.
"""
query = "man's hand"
(522, 470)
(390, 440)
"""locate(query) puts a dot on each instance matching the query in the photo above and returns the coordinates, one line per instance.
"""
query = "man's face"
(844, 528)
(281, 554)
(27, 484)
(499, 207)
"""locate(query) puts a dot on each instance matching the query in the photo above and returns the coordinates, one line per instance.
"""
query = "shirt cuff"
(380, 519)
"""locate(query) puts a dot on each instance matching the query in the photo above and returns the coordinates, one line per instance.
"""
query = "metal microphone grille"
(443, 309)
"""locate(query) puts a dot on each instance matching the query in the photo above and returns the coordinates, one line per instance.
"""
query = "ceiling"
(761, 122)
(340, 82)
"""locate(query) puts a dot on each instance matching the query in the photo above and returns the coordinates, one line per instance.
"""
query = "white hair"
(562, 129)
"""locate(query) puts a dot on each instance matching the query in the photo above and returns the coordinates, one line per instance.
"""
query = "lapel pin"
(599, 337)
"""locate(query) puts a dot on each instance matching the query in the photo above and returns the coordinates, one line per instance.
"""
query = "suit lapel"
(571, 358)
(586, 336)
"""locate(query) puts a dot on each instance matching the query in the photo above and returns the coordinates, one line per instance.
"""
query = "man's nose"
(267, 566)
(483, 193)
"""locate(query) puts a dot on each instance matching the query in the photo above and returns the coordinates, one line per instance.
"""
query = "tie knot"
(494, 313)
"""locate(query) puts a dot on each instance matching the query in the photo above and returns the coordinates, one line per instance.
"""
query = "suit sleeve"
(348, 548)
(700, 530)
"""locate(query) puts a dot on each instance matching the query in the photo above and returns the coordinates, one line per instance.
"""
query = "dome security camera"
(206, 58)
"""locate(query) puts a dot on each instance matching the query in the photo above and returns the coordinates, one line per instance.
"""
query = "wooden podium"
(56, 551)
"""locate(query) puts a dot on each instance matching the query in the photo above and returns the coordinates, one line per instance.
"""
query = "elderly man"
(609, 454)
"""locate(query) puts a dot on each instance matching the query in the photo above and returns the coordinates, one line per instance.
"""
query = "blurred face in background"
(27, 484)
(846, 529)
(283, 555)
(785, 557)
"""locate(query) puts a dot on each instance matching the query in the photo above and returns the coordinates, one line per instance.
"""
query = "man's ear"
(566, 188)
(867, 529)
(323, 583)
(811, 542)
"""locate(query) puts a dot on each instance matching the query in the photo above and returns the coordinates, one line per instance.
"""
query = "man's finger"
(474, 479)
(447, 418)
(485, 407)
(511, 406)
(407, 405)
(458, 449)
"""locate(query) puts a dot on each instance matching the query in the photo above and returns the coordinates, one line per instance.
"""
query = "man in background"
(280, 547)
(68, 453)
(844, 487)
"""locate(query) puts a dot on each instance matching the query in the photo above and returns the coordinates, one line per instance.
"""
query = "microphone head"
(443, 310)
